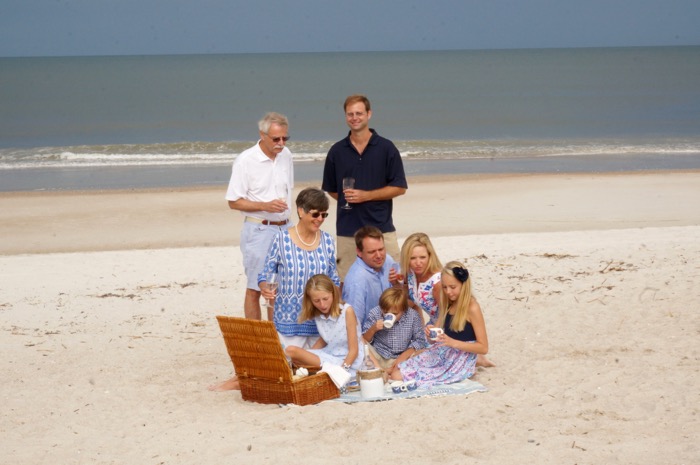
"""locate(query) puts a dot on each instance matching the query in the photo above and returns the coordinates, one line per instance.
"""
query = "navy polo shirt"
(379, 165)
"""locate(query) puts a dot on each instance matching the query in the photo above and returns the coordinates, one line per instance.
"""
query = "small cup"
(397, 269)
(435, 332)
(389, 320)
(398, 386)
(411, 385)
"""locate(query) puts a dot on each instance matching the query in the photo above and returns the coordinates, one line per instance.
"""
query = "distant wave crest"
(212, 153)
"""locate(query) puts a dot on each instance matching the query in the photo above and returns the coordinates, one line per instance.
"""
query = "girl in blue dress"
(339, 341)
(452, 356)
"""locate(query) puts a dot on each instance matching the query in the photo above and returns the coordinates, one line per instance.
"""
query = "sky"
(148, 27)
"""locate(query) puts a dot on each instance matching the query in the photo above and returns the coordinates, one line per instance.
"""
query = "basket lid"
(255, 349)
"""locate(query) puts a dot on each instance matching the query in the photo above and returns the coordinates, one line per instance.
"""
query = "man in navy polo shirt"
(375, 164)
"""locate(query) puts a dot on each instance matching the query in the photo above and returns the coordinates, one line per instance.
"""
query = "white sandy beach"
(590, 286)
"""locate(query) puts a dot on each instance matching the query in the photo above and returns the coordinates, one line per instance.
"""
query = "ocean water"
(197, 112)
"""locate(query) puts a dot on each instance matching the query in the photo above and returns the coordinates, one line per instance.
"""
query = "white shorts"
(255, 242)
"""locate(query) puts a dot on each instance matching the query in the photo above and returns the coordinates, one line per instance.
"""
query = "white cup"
(435, 332)
(389, 320)
(398, 387)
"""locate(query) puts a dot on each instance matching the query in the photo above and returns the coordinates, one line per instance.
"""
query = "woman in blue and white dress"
(295, 255)
(339, 343)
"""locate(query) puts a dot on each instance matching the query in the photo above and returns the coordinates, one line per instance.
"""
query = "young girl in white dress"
(339, 343)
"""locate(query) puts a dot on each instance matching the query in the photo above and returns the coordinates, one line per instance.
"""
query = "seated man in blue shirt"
(368, 276)
(390, 343)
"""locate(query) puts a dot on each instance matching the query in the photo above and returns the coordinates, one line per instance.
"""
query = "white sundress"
(334, 332)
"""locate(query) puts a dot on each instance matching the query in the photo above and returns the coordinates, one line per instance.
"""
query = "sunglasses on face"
(323, 215)
(277, 139)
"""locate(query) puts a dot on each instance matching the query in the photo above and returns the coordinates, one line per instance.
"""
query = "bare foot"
(228, 385)
(482, 361)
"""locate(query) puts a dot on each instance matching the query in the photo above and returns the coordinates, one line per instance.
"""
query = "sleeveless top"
(335, 333)
(422, 294)
(466, 335)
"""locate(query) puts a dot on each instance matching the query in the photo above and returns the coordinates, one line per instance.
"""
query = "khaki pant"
(346, 251)
(384, 363)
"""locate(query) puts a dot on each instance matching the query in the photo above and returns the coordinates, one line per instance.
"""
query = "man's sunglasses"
(277, 139)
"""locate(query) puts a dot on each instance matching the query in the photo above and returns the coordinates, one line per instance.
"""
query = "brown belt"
(251, 219)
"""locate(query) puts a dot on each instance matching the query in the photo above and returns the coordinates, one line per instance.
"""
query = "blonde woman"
(453, 355)
(422, 268)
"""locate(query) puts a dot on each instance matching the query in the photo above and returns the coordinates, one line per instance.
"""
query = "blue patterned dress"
(294, 266)
(335, 333)
(440, 364)
(422, 294)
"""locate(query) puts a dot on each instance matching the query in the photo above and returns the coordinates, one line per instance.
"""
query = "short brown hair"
(355, 99)
(367, 231)
(312, 198)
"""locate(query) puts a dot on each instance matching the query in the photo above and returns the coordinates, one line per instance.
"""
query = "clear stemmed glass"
(271, 285)
(348, 183)
(281, 191)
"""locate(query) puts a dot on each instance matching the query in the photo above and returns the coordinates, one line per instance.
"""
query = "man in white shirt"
(262, 179)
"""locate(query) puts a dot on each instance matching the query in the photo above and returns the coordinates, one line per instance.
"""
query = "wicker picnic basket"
(262, 368)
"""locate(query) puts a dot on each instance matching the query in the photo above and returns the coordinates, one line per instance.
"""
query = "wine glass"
(271, 284)
(348, 183)
(281, 191)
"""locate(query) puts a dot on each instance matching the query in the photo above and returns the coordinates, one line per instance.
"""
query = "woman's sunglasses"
(323, 215)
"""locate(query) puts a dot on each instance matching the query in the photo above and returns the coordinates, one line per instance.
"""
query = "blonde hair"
(319, 282)
(419, 239)
(393, 297)
(461, 315)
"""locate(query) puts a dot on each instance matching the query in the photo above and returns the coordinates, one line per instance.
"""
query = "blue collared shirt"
(363, 286)
(406, 333)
